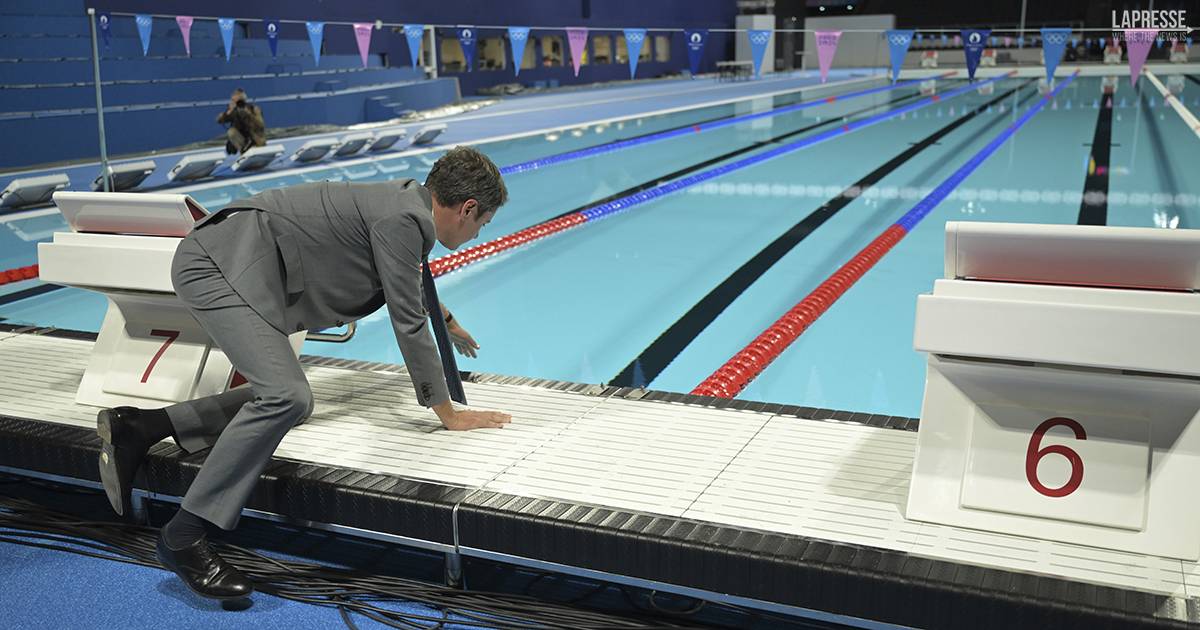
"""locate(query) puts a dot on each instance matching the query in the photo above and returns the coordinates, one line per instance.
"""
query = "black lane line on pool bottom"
(1093, 207)
(658, 181)
(28, 293)
(659, 354)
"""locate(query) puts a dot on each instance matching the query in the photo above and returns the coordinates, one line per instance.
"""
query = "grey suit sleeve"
(397, 246)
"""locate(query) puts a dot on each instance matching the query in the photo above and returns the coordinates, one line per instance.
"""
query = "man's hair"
(464, 173)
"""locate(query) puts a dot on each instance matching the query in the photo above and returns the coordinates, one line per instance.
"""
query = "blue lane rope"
(624, 144)
(926, 205)
(624, 203)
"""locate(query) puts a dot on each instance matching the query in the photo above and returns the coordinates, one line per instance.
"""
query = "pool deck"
(790, 509)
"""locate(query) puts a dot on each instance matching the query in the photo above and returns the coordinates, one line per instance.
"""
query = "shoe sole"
(108, 465)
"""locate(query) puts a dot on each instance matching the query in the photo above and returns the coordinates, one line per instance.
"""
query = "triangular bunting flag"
(362, 33)
(185, 29)
(634, 38)
(577, 40)
(316, 33)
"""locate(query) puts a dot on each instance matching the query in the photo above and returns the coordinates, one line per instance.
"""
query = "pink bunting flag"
(577, 39)
(185, 27)
(362, 33)
(958, 40)
(1008, 41)
(827, 42)
(1138, 42)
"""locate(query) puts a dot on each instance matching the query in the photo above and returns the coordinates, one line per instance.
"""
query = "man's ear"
(470, 206)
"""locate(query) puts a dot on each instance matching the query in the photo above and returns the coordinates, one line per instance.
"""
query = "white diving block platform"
(32, 190)
(385, 139)
(351, 144)
(1179, 53)
(988, 58)
(929, 59)
(1063, 386)
(150, 352)
(314, 150)
(194, 167)
(257, 158)
(125, 176)
(428, 134)
(1112, 55)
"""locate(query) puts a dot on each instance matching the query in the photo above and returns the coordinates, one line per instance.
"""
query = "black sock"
(183, 530)
(151, 427)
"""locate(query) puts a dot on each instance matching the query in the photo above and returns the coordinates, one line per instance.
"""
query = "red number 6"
(1033, 456)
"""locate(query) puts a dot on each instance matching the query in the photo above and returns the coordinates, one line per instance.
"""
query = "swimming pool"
(586, 304)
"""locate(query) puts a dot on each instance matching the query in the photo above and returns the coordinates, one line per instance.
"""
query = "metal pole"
(104, 175)
(1022, 32)
(433, 68)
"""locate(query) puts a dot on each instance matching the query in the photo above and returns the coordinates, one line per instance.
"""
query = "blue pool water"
(582, 305)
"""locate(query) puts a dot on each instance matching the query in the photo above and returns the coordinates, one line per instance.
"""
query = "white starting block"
(385, 139)
(1176, 84)
(1179, 53)
(1108, 85)
(353, 143)
(1063, 386)
(928, 87)
(929, 59)
(428, 134)
(257, 158)
(1045, 87)
(986, 89)
(314, 150)
(988, 58)
(1112, 54)
(150, 352)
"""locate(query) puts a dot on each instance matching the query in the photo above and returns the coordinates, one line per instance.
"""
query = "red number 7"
(171, 336)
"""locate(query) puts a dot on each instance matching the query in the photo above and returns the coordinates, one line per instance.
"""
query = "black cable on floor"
(351, 592)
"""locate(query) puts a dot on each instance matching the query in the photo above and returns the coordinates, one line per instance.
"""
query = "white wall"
(855, 50)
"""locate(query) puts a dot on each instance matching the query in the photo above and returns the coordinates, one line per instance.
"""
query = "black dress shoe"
(203, 571)
(121, 454)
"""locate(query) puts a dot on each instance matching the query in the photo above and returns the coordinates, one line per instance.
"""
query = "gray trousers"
(242, 426)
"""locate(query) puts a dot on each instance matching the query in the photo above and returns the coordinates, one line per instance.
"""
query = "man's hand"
(467, 419)
(463, 341)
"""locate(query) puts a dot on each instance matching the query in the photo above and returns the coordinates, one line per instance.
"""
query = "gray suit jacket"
(319, 255)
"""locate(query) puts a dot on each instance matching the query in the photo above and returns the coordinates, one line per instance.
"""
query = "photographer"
(246, 126)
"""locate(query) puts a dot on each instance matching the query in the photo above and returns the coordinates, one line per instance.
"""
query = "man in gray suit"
(286, 260)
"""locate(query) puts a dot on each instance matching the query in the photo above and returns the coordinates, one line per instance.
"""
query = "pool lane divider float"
(458, 260)
(18, 274)
(571, 156)
(656, 357)
(732, 377)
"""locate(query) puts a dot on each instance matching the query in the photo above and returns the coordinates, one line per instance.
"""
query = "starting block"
(988, 58)
(928, 87)
(1045, 87)
(986, 89)
(1062, 398)
(1108, 85)
(1112, 54)
(1176, 84)
(1179, 53)
(929, 59)
(150, 352)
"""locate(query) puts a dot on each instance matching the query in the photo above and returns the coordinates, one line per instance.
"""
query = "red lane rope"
(18, 274)
(732, 378)
(450, 262)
